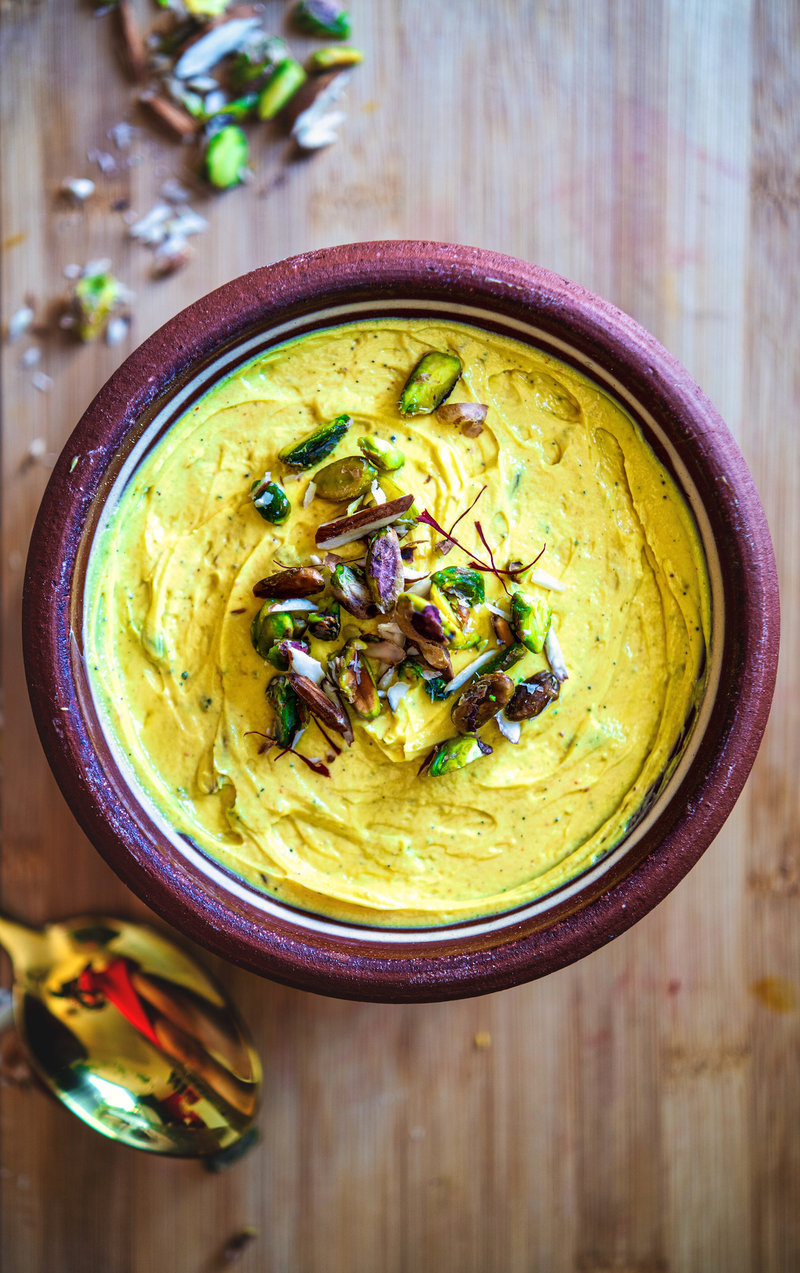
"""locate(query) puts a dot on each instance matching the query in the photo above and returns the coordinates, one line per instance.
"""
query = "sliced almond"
(346, 529)
(132, 40)
(178, 121)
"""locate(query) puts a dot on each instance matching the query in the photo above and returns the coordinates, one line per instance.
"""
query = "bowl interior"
(172, 404)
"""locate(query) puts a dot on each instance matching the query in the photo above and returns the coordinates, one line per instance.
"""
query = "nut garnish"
(347, 529)
(300, 581)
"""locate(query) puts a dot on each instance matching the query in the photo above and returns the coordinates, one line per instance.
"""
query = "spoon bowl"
(132, 1035)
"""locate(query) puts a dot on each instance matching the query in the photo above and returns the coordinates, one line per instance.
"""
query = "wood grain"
(638, 1112)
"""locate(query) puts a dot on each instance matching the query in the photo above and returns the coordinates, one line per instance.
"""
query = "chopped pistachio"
(280, 88)
(481, 701)
(459, 628)
(280, 654)
(532, 696)
(356, 680)
(384, 569)
(530, 619)
(504, 659)
(344, 480)
(460, 585)
(268, 629)
(349, 588)
(322, 17)
(318, 445)
(271, 501)
(325, 623)
(456, 753)
(93, 299)
(333, 58)
(385, 457)
(289, 711)
(432, 380)
(226, 156)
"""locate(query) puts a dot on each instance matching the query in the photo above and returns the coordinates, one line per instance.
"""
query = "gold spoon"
(132, 1035)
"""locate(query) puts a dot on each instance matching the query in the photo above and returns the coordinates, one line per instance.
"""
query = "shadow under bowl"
(176, 366)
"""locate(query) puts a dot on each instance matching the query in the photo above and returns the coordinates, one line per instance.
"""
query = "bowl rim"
(448, 966)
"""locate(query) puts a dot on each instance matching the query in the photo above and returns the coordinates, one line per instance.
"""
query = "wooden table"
(638, 1112)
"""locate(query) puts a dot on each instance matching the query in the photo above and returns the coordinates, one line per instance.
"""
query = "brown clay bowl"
(323, 289)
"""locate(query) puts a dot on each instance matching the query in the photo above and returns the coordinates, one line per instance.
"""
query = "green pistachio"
(432, 380)
(533, 695)
(334, 57)
(460, 631)
(481, 701)
(271, 501)
(268, 629)
(456, 753)
(504, 659)
(322, 17)
(241, 107)
(226, 156)
(325, 623)
(317, 446)
(385, 457)
(345, 480)
(93, 299)
(412, 670)
(356, 680)
(384, 569)
(289, 711)
(287, 77)
(530, 620)
(349, 587)
(460, 585)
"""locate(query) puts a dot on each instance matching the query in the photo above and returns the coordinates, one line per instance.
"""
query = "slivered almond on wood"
(133, 43)
(178, 121)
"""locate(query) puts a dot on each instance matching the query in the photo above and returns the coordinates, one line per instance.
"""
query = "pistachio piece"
(93, 300)
(461, 586)
(334, 57)
(346, 479)
(271, 501)
(226, 156)
(456, 753)
(287, 77)
(432, 380)
(267, 630)
(280, 654)
(325, 623)
(346, 529)
(481, 701)
(322, 17)
(384, 569)
(348, 587)
(385, 457)
(418, 619)
(530, 619)
(355, 679)
(288, 709)
(317, 446)
(532, 696)
(469, 415)
(504, 659)
(459, 630)
(422, 623)
(321, 706)
(300, 581)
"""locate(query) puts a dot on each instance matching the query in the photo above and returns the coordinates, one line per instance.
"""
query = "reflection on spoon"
(132, 1035)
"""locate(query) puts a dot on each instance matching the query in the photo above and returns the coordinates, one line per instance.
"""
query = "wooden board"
(639, 1111)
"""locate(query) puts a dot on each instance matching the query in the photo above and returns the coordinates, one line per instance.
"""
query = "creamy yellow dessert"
(593, 654)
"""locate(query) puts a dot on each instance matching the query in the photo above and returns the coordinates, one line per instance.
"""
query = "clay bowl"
(327, 288)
